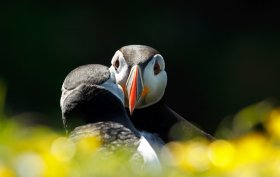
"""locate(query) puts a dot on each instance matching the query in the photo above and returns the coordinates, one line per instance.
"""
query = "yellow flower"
(6, 172)
(191, 156)
(54, 166)
(222, 154)
(88, 144)
(252, 148)
(272, 123)
(63, 149)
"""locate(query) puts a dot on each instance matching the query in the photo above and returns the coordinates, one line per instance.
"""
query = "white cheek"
(122, 73)
(156, 85)
(120, 76)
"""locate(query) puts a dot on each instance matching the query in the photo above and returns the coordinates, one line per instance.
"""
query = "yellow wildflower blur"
(273, 123)
(42, 152)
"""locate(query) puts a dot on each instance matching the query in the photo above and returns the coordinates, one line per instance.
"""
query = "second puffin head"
(140, 70)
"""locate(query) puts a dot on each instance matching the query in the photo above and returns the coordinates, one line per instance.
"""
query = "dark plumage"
(113, 135)
(140, 68)
(85, 99)
(92, 105)
(162, 120)
(86, 74)
(136, 54)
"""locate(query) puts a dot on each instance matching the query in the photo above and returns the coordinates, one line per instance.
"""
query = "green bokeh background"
(220, 56)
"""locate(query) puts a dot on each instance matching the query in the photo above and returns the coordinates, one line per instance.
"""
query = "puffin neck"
(157, 105)
(154, 118)
(100, 106)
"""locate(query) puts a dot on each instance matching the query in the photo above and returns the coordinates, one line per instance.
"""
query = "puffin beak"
(134, 87)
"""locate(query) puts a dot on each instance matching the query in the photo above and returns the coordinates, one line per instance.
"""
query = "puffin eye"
(117, 64)
(156, 68)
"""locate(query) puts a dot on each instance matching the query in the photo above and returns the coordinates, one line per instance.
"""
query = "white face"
(154, 77)
(119, 67)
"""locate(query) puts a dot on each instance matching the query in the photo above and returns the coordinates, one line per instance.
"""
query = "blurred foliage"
(252, 117)
(245, 151)
(220, 55)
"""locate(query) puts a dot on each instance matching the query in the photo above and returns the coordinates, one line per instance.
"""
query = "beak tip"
(131, 110)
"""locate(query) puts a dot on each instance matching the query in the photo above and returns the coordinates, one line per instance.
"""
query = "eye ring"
(117, 64)
(157, 68)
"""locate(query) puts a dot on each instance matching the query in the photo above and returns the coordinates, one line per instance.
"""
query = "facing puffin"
(92, 104)
(140, 70)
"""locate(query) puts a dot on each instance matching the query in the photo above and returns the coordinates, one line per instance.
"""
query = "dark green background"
(220, 56)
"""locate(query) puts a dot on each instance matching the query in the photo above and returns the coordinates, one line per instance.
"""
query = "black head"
(92, 74)
(136, 54)
(89, 94)
(140, 70)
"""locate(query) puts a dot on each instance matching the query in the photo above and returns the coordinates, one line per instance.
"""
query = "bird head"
(88, 92)
(140, 70)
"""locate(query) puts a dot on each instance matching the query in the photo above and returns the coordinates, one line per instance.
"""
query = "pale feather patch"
(151, 160)
(155, 83)
(122, 72)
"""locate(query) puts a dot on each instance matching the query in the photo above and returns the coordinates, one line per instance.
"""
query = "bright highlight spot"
(252, 148)
(273, 123)
(63, 149)
(196, 156)
(88, 144)
(190, 156)
(221, 153)
(29, 165)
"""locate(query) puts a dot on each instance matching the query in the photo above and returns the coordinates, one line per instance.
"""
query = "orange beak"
(134, 87)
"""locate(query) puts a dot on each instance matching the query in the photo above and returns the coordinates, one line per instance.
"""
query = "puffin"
(92, 104)
(140, 70)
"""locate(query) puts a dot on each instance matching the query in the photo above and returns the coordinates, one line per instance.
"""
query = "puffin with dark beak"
(92, 104)
(140, 70)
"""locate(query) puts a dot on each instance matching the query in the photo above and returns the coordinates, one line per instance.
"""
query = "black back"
(113, 135)
(165, 122)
